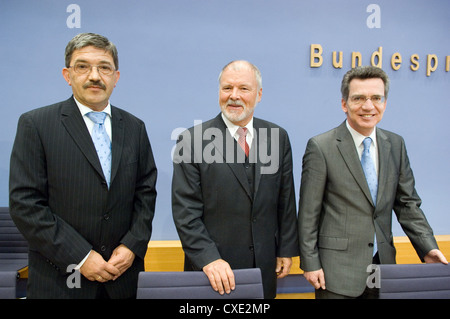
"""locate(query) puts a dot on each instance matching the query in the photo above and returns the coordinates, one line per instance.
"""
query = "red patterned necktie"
(242, 132)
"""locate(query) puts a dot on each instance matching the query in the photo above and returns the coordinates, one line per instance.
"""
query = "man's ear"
(344, 106)
(66, 75)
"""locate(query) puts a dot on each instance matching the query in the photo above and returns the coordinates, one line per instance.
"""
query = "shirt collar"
(232, 128)
(84, 109)
(358, 138)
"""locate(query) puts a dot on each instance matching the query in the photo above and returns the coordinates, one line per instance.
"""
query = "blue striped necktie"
(102, 142)
(371, 176)
(369, 169)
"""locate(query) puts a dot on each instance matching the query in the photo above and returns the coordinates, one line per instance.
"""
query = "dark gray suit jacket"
(60, 201)
(220, 214)
(337, 218)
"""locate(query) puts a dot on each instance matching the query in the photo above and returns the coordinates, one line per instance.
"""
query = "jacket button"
(370, 245)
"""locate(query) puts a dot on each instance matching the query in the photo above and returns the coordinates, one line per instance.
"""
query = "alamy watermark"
(374, 278)
(74, 279)
(210, 146)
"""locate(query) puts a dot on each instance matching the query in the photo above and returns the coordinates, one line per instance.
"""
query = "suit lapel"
(259, 157)
(237, 168)
(384, 151)
(348, 152)
(76, 127)
(117, 140)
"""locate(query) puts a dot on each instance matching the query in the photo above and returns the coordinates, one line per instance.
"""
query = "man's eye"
(105, 68)
(376, 98)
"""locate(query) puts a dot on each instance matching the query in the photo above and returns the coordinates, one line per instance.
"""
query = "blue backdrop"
(171, 52)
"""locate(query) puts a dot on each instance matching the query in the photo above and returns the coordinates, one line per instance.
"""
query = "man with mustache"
(81, 204)
(231, 213)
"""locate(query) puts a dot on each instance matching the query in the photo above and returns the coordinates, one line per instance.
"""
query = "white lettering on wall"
(74, 20)
(374, 20)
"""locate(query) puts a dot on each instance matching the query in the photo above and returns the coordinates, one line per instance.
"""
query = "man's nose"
(235, 94)
(94, 74)
(368, 105)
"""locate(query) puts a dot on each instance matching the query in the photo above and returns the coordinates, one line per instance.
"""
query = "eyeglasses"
(84, 68)
(361, 99)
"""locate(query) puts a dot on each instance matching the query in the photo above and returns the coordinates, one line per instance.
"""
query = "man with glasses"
(353, 177)
(82, 184)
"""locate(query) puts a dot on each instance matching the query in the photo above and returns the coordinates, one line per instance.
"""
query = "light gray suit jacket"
(337, 218)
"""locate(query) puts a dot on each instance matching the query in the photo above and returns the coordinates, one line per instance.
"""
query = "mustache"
(94, 83)
(235, 102)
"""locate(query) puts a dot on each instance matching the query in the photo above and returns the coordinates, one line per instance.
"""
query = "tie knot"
(242, 131)
(97, 117)
(367, 141)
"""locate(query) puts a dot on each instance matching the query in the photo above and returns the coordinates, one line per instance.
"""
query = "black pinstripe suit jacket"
(60, 201)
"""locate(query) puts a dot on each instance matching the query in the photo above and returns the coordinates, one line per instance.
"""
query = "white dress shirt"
(358, 139)
(232, 128)
(90, 125)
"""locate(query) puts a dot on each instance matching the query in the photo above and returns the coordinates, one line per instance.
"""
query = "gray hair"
(237, 64)
(363, 73)
(91, 39)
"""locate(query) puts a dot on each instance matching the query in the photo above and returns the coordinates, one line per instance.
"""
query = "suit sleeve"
(29, 205)
(312, 189)
(407, 209)
(187, 206)
(287, 215)
(136, 239)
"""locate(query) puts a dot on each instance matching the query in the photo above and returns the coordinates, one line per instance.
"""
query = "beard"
(239, 115)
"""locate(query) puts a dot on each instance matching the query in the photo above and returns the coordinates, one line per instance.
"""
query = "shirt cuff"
(82, 262)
